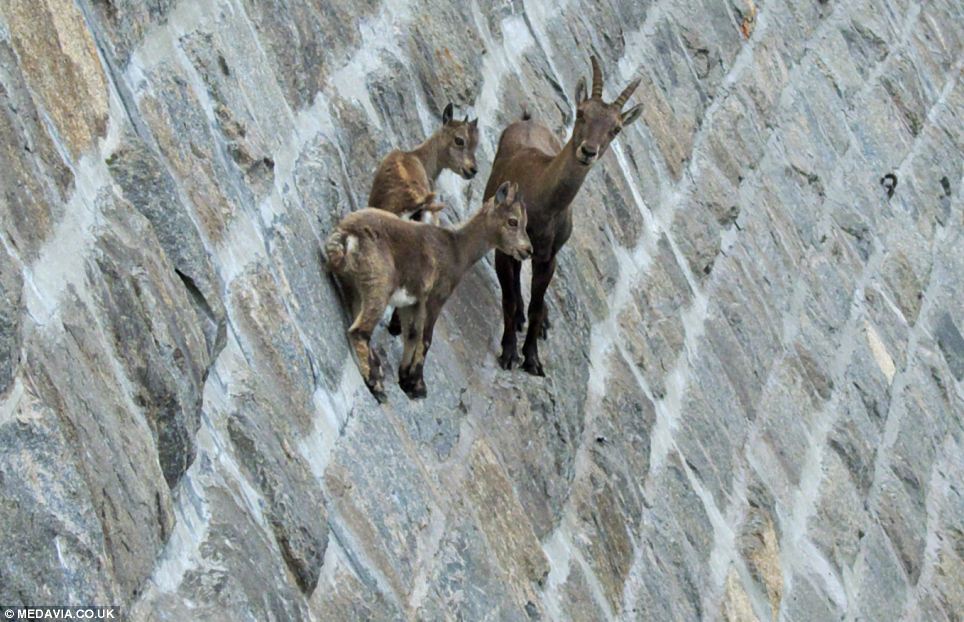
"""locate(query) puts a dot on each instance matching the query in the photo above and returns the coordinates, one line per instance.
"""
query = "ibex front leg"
(505, 269)
(413, 355)
(520, 315)
(541, 277)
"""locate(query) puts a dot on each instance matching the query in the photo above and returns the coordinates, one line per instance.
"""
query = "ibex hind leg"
(413, 355)
(360, 334)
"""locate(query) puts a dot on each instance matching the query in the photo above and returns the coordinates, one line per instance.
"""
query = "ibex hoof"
(413, 387)
(544, 331)
(533, 366)
(378, 392)
(375, 370)
(508, 358)
(417, 391)
(395, 325)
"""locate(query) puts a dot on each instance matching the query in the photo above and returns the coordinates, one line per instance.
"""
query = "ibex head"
(457, 143)
(597, 122)
(506, 216)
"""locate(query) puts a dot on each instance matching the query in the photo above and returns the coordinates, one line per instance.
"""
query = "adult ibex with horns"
(549, 175)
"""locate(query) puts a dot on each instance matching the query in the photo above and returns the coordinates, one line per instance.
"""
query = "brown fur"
(376, 255)
(549, 174)
(404, 179)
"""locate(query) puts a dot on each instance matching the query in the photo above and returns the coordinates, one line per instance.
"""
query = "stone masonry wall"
(756, 373)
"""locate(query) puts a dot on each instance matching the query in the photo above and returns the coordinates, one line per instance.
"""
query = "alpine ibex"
(381, 259)
(403, 181)
(549, 174)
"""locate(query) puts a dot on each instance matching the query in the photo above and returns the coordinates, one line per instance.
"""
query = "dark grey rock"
(163, 350)
(296, 510)
(952, 344)
(11, 301)
(146, 184)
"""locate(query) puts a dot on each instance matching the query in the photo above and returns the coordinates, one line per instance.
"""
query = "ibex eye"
(513, 222)
(459, 142)
(579, 114)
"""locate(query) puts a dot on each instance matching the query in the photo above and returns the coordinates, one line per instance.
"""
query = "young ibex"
(550, 175)
(403, 181)
(381, 259)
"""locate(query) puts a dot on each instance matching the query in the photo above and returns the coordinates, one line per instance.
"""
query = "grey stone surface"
(11, 309)
(36, 180)
(753, 408)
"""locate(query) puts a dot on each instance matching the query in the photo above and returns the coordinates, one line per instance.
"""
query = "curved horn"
(596, 78)
(618, 103)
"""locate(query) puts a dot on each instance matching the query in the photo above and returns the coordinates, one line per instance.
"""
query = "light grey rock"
(883, 587)
(807, 601)
(463, 568)
(127, 22)
(654, 348)
(837, 527)
(56, 550)
(130, 497)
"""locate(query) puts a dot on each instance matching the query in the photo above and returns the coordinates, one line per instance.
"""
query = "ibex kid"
(381, 259)
(404, 179)
(403, 182)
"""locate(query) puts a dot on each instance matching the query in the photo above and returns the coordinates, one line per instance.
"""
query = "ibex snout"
(524, 252)
(587, 153)
(469, 170)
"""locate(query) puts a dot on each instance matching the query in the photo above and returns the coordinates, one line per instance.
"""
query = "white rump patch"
(401, 298)
(351, 244)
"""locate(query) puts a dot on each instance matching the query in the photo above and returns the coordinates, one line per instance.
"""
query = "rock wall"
(754, 402)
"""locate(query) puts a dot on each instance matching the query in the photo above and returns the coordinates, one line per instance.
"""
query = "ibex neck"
(427, 153)
(563, 178)
(471, 241)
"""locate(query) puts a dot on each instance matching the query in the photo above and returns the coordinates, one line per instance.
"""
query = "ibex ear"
(474, 122)
(632, 114)
(447, 114)
(581, 91)
(502, 194)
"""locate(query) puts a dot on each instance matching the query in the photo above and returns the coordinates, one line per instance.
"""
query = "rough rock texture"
(754, 403)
